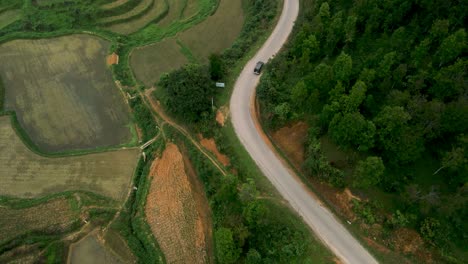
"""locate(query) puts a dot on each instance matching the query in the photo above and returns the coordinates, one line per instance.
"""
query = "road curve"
(319, 218)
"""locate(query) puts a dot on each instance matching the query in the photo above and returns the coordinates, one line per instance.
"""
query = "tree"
(352, 130)
(350, 28)
(386, 64)
(324, 11)
(253, 257)
(321, 78)
(452, 47)
(401, 144)
(226, 250)
(429, 229)
(369, 172)
(355, 97)
(299, 94)
(189, 91)
(216, 67)
(439, 29)
(342, 67)
(450, 81)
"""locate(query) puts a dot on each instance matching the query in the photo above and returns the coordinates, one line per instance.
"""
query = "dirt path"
(146, 96)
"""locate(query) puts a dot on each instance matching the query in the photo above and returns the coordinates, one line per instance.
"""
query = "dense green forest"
(386, 81)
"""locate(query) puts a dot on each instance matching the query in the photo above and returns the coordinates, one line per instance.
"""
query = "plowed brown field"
(171, 210)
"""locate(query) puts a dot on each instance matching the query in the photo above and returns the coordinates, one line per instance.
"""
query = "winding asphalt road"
(319, 218)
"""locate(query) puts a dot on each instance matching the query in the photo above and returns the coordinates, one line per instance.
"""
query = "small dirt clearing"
(63, 93)
(172, 213)
(25, 174)
(291, 140)
(210, 145)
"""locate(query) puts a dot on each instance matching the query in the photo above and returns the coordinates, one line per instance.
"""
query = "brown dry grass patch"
(172, 212)
(210, 144)
(291, 140)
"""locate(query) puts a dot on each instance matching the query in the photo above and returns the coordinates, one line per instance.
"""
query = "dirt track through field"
(172, 212)
(153, 105)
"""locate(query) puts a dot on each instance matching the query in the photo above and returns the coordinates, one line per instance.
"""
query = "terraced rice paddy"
(213, 35)
(115, 4)
(24, 174)
(63, 93)
(143, 14)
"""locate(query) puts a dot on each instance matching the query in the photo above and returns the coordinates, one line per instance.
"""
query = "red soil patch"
(113, 59)
(376, 245)
(221, 115)
(409, 241)
(172, 212)
(291, 140)
(210, 145)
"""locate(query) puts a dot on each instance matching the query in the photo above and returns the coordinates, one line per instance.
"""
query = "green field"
(150, 62)
(24, 174)
(114, 4)
(217, 32)
(8, 17)
(63, 93)
(213, 35)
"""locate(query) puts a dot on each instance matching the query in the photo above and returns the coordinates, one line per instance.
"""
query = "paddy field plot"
(132, 21)
(217, 33)
(150, 62)
(91, 250)
(63, 93)
(24, 174)
(213, 35)
(52, 216)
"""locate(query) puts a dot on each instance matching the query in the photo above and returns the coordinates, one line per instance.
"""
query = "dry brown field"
(172, 212)
(25, 174)
(91, 250)
(63, 93)
(54, 215)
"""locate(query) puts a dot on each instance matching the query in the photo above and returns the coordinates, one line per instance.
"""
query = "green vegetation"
(149, 63)
(188, 92)
(249, 227)
(144, 118)
(386, 82)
